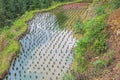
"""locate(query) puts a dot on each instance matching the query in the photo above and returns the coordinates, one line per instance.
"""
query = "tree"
(11, 9)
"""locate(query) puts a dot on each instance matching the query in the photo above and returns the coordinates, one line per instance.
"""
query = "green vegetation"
(116, 4)
(100, 10)
(99, 64)
(93, 43)
(79, 28)
(94, 40)
(10, 34)
(11, 9)
(69, 77)
(61, 17)
(102, 63)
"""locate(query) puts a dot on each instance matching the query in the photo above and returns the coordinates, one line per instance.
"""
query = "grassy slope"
(11, 34)
(92, 56)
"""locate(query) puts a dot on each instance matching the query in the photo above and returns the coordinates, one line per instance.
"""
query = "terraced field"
(46, 50)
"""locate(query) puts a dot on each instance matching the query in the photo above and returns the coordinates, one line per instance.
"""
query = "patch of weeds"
(100, 10)
(95, 2)
(69, 77)
(80, 56)
(96, 30)
(95, 39)
(108, 57)
(79, 28)
(99, 64)
(116, 4)
(98, 67)
(61, 18)
(99, 45)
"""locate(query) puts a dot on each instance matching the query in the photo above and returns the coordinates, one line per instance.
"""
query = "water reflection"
(46, 51)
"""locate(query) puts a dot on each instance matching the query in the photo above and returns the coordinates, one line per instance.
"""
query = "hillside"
(69, 41)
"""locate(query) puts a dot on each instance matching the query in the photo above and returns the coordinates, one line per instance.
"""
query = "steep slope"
(113, 42)
(97, 56)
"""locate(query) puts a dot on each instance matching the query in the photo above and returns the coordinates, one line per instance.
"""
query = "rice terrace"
(69, 41)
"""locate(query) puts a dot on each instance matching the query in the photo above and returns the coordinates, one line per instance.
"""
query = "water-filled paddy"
(45, 53)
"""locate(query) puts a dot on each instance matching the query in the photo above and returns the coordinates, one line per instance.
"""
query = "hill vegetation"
(11, 9)
(93, 55)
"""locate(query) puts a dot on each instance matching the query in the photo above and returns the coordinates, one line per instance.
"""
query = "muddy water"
(46, 51)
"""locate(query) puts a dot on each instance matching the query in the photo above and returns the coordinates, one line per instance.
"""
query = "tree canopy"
(11, 9)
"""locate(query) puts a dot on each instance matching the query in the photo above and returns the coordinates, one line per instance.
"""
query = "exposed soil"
(75, 6)
(114, 32)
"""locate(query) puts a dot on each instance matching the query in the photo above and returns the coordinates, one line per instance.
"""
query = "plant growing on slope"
(79, 28)
(61, 18)
(94, 39)
(116, 4)
(69, 77)
(100, 10)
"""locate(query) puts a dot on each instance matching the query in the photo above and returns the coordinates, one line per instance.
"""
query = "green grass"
(61, 18)
(116, 4)
(94, 41)
(69, 77)
(19, 27)
(99, 64)
(100, 10)
(79, 28)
